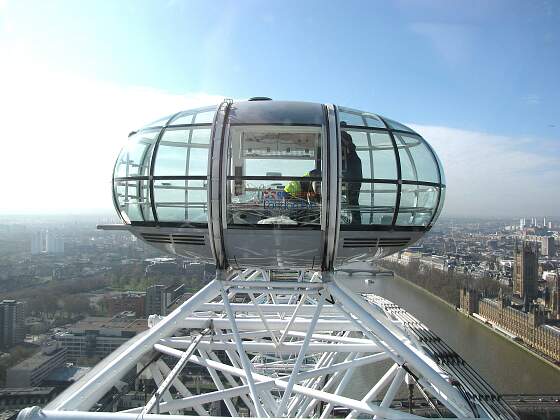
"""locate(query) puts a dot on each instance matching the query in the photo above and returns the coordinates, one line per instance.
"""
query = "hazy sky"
(479, 79)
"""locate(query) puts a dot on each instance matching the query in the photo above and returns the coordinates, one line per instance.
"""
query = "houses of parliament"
(531, 315)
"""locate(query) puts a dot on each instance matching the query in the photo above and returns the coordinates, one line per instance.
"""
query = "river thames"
(508, 368)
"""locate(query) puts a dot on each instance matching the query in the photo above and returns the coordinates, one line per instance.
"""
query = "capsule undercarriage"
(276, 184)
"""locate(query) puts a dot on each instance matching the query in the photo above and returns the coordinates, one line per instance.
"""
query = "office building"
(18, 398)
(12, 323)
(54, 243)
(160, 297)
(62, 377)
(97, 337)
(154, 299)
(546, 244)
(37, 243)
(35, 369)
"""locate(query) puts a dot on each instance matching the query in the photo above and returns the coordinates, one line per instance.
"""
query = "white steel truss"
(282, 348)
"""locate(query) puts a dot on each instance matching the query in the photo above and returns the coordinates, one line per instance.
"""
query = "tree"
(76, 305)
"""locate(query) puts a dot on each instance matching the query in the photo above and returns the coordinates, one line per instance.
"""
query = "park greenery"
(444, 284)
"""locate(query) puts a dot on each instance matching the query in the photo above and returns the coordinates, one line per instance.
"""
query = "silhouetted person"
(352, 170)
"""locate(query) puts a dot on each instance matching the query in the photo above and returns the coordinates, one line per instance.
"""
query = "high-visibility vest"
(294, 187)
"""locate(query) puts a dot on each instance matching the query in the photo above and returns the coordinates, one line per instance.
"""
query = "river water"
(508, 368)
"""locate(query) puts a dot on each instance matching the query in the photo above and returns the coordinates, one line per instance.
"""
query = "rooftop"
(67, 374)
(38, 359)
(552, 328)
(33, 390)
(116, 323)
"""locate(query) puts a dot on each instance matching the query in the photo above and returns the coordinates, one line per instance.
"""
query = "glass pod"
(278, 184)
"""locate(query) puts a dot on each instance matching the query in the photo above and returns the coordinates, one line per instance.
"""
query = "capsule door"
(273, 211)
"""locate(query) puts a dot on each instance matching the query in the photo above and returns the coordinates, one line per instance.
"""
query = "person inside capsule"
(352, 172)
(275, 175)
(306, 190)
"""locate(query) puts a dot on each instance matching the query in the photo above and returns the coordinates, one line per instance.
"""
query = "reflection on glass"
(397, 125)
(441, 171)
(349, 116)
(417, 161)
(179, 146)
(200, 135)
(417, 205)
(159, 122)
(133, 200)
(134, 159)
(441, 202)
(195, 116)
(181, 200)
(198, 161)
(206, 117)
(375, 204)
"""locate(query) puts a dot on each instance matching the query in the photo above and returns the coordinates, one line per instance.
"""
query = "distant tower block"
(36, 243)
(54, 242)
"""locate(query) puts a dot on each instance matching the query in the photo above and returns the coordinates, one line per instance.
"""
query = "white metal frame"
(273, 349)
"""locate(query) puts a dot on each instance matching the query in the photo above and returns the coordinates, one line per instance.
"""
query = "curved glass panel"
(195, 116)
(375, 151)
(367, 203)
(134, 159)
(417, 161)
(440, 207)
(274, 176)
(349, 116)
(158, 123)
(183, 152)
(367, 155)
(181, 200)
(417, 205)
(398, 126)
(441, 171)
(132, 198)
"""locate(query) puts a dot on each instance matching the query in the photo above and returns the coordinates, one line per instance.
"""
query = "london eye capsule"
(277, 184)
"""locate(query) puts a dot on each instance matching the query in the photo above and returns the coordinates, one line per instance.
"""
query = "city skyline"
(72, 93)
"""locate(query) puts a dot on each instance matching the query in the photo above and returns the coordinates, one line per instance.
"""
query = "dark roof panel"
(276, 112)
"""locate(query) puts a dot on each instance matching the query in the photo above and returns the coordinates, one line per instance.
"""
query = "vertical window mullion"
(187, 164)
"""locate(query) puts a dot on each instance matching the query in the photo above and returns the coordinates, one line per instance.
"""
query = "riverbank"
(421, 289)
(520, 345)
